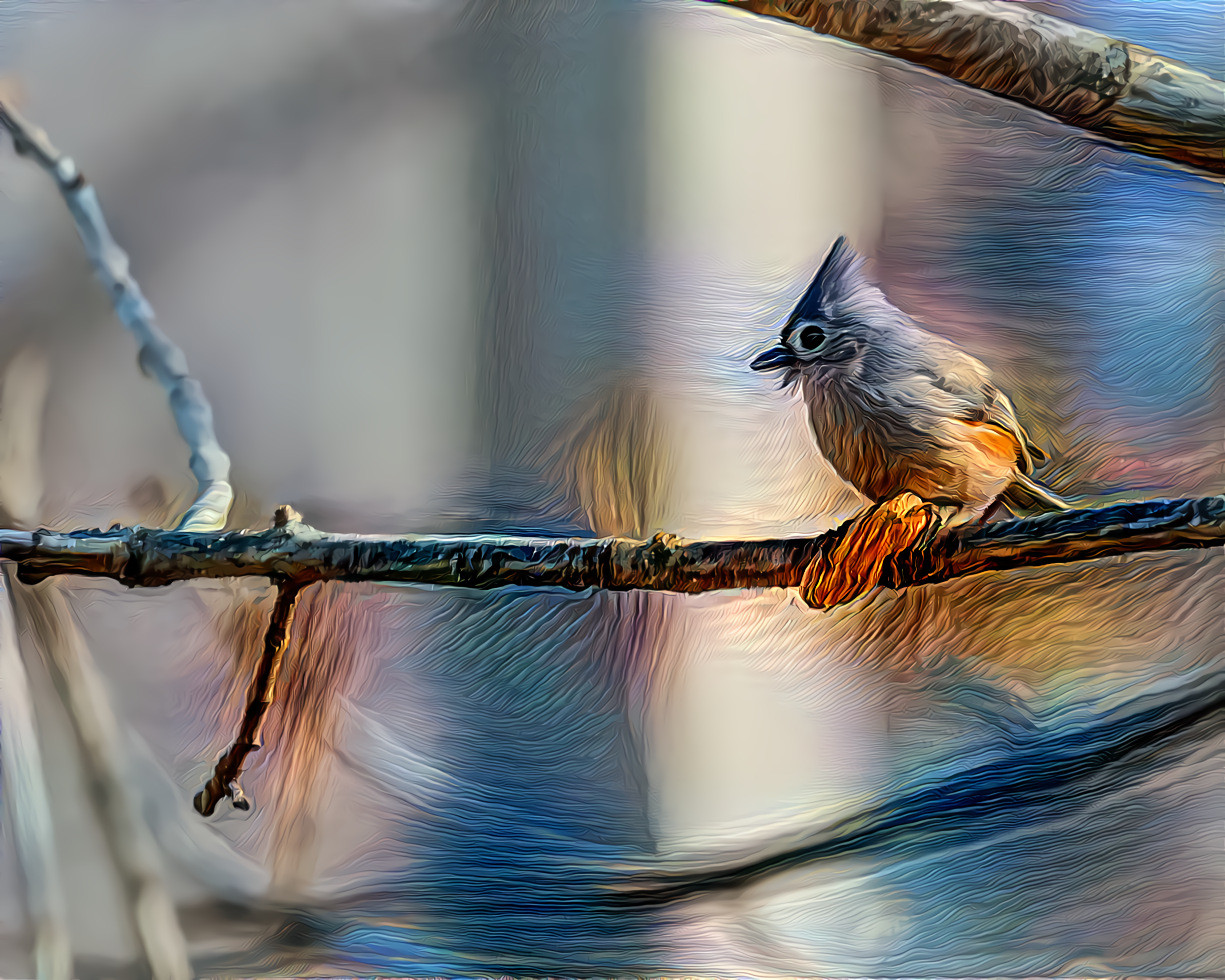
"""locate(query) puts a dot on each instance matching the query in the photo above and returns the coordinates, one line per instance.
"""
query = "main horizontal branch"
(296, 551)
(1094, 82)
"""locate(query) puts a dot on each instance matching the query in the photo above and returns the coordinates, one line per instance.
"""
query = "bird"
(897, 409)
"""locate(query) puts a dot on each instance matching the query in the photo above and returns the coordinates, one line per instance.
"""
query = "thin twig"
(152, 557)
(262, 693)
(47, 616)
(1097, 83)
(29, 804)
(158, 355)
(23, 400)
(46, 612)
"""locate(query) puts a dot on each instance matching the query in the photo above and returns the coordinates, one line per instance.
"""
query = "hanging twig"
(29, 804)
(158, 355)
(1096, 83)
(224, 781)
(261, 694)
(151, 557)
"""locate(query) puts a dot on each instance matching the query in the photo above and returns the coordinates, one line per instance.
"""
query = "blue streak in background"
(1025, 782)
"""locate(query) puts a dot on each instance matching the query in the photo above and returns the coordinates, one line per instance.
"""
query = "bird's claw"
(863, 547)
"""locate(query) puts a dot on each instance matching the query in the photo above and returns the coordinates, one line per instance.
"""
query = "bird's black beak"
(775, 357)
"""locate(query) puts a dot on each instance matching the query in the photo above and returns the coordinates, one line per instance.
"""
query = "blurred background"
(499, 266)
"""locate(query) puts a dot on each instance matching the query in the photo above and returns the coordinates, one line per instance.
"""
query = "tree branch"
(158, 355)
(152, 557)
(1097, 83)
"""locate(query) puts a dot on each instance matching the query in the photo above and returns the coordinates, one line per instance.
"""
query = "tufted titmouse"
(896, 409)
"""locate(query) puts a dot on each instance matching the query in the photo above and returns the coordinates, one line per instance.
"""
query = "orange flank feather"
(993, 440)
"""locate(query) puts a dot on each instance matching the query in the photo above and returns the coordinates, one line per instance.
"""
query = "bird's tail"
(1028, 494)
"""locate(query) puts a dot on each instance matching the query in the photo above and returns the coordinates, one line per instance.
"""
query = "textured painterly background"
(493, 266)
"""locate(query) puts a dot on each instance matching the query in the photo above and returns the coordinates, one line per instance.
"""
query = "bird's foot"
(853, 564)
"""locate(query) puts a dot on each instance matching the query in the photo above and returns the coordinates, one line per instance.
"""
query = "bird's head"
(834, 323)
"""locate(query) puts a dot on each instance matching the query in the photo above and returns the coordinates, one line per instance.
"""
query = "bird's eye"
(810, 337)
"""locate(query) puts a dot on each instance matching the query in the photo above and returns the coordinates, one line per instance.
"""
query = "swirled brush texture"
(501, 266)
(1008, 775)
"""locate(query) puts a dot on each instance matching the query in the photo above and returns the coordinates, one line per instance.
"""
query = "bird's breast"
(850, 438)
(882, 450)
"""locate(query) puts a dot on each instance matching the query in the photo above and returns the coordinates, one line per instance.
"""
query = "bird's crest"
(840, 286)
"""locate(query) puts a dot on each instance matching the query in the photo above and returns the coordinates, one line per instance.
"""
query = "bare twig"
(47, 616)
(1100, 84)
(262, 692)
(224, 781)
(151, 557)
(23, 399)
(158, 355)
(46, 611)
(29, 804)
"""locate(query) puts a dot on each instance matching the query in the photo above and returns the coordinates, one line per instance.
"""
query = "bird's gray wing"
(999, 411)
(979, 400)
